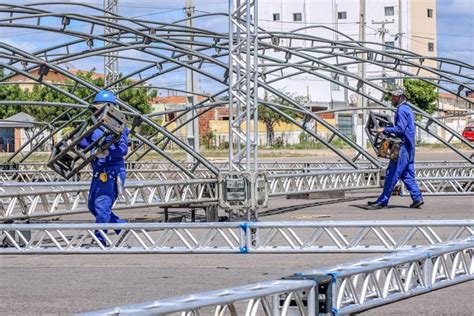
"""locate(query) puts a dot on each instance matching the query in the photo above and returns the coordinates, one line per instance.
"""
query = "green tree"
(271, 118)
(422, 94)
(138, 97)
(208, 138)
(45, 94)
(11, 93)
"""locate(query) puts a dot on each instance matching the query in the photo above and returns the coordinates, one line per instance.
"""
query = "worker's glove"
(101, 153)
(111, 138)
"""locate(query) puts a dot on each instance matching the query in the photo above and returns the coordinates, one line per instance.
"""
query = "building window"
(389, 45)
(429, 13)
(344, 123)
(334, 85)
(7, 139)
(391, 82)
(276, 16)
(431, 47)
(297, 17)
(342, 15)
(389, 11)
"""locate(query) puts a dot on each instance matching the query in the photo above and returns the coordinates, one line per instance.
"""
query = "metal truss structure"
(241, 76)
(445, 185)
(287, 184)
(71, 198)
(279, 297)
(430, 168)
(338, 290)
(304, 54)
(155, 188)
(243, 85)
(236, 237)
(378, 281)
(43, 197)
(111, 62)
(244, 64)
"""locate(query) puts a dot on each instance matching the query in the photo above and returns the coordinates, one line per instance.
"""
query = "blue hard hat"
(104, 96)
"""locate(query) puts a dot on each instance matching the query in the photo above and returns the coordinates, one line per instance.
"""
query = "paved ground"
(60, 284)
(64, 284)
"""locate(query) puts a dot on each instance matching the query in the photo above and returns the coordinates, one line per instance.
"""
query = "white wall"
(324, 12)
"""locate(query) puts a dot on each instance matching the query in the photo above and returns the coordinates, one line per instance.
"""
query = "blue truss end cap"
(244, 250)
(334, 276)
(334, 311)
(244, 226)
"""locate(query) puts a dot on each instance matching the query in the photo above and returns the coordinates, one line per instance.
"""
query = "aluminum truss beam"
(236, 237)
(243, 74)
(264, 298)
(111, 62)
(71, 198)
(270, 166)
(379, 281)
(339, 290)
(39, 199)
(150, 171)
(62, 198)
(287, 184)
(450, 185)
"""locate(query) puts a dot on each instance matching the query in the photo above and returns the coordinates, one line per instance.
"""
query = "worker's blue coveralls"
(102, 194)
(404, 167)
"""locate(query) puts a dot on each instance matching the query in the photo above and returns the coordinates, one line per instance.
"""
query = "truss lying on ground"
(378, 281)
(162, 171)
(287, 184)
(237, 237)
(445, 186)
(263, 298)
(71, 198)
(338, 290)
(29, 200)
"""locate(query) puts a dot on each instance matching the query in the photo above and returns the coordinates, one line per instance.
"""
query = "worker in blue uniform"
(402, 168)
(108, 171)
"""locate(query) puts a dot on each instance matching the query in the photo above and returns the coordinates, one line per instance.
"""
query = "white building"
(407, 24)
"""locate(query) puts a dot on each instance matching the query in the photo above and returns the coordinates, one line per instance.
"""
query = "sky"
(455, 27)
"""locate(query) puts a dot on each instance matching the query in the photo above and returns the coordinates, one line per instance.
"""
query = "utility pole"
(382, 31)
(192, 128)
(400, 32)
(400, 25)
(359, 115)
(111, 62)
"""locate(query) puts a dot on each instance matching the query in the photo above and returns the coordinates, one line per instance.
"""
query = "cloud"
(455, 7)
(455, 30)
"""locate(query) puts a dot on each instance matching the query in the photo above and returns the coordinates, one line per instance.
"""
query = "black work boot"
(376, 206)
(417, 204)
(369, 203)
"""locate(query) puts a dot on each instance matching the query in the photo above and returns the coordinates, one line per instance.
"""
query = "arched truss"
(166, 47)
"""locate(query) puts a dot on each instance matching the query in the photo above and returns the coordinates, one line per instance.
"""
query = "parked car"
(468, 132)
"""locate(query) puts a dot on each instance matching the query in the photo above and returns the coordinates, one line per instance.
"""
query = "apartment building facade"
(405, 24)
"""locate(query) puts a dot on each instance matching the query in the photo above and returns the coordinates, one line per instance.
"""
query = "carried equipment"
(386, 145)
(68, 158)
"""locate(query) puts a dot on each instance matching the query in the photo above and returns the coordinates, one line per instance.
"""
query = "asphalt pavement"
(64, 284)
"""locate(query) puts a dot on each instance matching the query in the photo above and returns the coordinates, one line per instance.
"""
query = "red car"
(468, 133)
